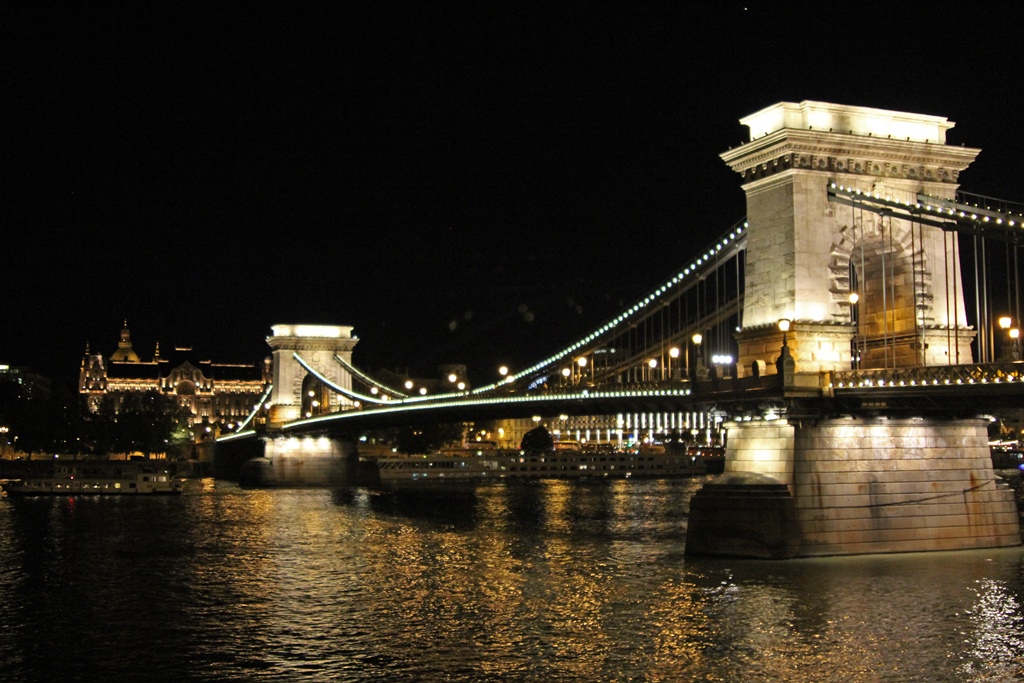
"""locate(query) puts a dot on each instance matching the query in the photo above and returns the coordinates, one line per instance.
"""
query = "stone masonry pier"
(855, 485)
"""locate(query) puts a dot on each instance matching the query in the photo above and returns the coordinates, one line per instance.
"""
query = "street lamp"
(582, 363)
(1005, 352)
(700, 371)
(673, 353)
(855, 320)
(785, 360)
(652, 364)
(784, 325)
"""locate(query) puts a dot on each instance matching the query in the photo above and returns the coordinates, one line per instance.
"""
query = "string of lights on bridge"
(735, 234)
(946, 381)
(937, 207)
(462, 401)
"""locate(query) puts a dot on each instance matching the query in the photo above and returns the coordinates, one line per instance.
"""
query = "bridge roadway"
(954, 391)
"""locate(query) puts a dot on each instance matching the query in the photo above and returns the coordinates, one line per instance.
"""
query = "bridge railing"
(928, 375)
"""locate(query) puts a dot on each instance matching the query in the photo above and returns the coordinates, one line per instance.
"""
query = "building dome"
(125, 353)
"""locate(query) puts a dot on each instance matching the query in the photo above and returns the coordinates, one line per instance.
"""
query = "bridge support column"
(848, 486)
(302, 461)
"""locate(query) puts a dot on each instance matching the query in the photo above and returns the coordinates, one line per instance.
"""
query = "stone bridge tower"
(806, 255)
(877, 481)
(296, 392)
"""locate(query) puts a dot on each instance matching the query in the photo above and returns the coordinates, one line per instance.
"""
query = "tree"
(538, 439)
(479, 428)
(146, 422)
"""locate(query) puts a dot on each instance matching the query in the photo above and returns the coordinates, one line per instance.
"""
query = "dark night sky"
(458, 182)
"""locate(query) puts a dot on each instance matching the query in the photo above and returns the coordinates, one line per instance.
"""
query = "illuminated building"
(216, 394)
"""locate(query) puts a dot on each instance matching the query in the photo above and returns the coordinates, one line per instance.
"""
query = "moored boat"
(109, 479)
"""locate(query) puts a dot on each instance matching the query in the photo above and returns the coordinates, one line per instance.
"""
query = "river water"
(545, 581)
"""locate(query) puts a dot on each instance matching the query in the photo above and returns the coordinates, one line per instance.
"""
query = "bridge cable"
(256, 409)
(338, 389)
(735, 239)
(362, 376)
(954, 326)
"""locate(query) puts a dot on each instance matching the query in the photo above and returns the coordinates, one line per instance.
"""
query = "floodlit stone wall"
(294, 461)
(317, 345)
(875, 485)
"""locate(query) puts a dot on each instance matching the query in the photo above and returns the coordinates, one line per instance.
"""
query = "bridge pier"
(847, 486)
(279, 460)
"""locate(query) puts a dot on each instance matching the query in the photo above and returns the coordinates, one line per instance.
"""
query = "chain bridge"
(852, 337)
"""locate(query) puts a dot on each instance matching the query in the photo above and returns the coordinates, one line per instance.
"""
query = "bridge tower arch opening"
(316, 396)
(881, 286)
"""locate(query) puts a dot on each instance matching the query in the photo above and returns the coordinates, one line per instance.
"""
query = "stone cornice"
(853, 154)
(311, 343)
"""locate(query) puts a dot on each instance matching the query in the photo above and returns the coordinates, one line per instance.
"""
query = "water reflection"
(994, 634)
(547, 581)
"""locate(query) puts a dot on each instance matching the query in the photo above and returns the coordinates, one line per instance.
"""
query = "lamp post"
(855, 320)
(784, 325)
(581, 362)
(700, 371)
(653, 365)
(1006, 352)
(673, 353)
(785, 365)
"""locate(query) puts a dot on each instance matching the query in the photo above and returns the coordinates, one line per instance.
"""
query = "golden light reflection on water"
(995, 634)
(550, 582)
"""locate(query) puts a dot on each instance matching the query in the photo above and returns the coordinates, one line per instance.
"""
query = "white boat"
(108, 479)
(471, 467)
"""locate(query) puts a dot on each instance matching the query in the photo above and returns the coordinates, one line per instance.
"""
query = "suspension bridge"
(851, 336)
